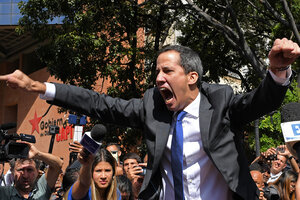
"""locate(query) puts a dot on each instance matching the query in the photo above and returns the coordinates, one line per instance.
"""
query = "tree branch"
(291, 20)
(237, 40)
(277, 16)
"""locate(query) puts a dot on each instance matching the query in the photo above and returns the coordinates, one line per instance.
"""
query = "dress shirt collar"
(193, 108)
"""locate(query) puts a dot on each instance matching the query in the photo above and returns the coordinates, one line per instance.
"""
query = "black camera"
(280, 149)
(143, 173)
(272, 157)
(9, 148)
(271, 193)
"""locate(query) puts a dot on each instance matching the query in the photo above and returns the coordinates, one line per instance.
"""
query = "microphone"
(93, 141)
(8, 126)
(98, 132)
(290, 118)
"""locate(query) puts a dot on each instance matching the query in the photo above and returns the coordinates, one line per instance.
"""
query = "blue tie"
(177, 157)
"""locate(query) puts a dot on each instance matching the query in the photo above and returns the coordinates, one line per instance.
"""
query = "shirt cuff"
(282, 81)
(50, 92)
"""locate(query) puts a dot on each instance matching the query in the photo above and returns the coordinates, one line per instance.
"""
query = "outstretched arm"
(18, 79)
(83, 183)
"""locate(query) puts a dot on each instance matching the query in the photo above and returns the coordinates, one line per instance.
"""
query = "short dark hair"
(125, 185)
(12, 162)
(113, 144)
(189, 59)
(132, 155)
(69, 178)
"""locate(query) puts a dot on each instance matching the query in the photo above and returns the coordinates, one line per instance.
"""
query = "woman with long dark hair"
(96, 178)
(285, 185)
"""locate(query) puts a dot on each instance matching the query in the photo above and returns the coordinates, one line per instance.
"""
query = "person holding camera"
(281, 155)
(277, 159)
(136, 174)
(25, 171)
(135, 171)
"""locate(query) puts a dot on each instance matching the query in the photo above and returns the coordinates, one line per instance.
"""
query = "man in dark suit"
(214, 164)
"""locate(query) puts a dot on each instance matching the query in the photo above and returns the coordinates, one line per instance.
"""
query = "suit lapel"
(205, 114)
(161, 139)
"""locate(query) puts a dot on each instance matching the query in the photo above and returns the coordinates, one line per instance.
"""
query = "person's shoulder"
(151, 90)
(6, 188)
(119, 196)
(7, 191)
(42, 178)
(152, 93)
(213, 87)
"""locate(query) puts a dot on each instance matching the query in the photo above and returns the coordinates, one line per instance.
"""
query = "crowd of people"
(27, 180)
(275, 173)
(105, 176)
(101, 175)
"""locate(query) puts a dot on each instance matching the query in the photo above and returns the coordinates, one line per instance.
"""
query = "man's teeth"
(168, 100)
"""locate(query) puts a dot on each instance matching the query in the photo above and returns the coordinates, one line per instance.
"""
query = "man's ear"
(193, 78)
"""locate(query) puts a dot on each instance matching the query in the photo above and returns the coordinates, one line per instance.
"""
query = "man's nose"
(160, 78)
(25, 174)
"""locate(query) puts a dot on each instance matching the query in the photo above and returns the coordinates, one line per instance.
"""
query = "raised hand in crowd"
(75, 147)
(26, 175)
(136, 175)
(54, 163)
(261, 194)
(268, 155)
(136, 171)
(284, 151)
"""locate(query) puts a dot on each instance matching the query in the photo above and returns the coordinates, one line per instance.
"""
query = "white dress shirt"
(201, 178)
(274, 177)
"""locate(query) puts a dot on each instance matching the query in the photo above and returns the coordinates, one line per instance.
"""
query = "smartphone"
(143, 173)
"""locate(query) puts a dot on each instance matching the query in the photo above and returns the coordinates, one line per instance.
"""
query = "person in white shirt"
(214, 163)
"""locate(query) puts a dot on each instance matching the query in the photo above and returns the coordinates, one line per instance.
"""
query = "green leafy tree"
(100, 40)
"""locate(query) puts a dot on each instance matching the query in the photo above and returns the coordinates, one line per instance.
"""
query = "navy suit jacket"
(222, 115)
